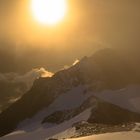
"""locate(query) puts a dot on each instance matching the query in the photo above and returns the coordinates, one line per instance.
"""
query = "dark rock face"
(104, 70)
(107, 113)
(57, 117)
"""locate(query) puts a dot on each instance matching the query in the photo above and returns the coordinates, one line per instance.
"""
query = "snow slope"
(69, 100)
(42, 133)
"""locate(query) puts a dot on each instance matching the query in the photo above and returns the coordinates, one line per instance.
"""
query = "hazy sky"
(89, 25)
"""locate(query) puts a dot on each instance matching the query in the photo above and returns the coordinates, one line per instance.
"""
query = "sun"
(49, 11)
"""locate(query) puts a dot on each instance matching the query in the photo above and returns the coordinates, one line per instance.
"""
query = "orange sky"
(88, 26)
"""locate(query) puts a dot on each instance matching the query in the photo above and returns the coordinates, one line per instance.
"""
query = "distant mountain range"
(103, 88)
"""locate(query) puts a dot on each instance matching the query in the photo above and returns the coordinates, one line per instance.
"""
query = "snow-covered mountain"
(101, 89)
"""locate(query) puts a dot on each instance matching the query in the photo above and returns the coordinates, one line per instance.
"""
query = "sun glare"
(49, 11)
